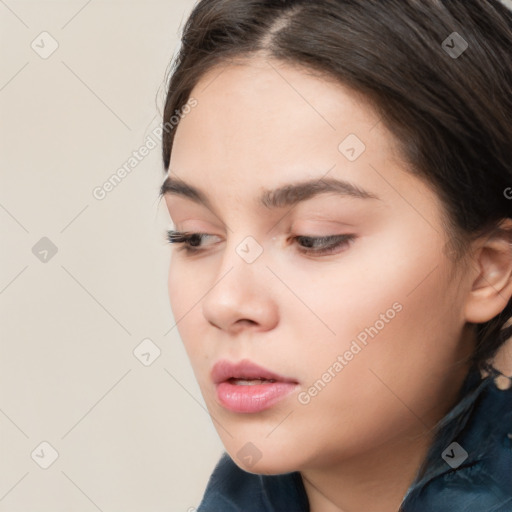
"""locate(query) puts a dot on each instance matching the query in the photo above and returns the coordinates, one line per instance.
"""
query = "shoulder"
(477, 472)
(231, 489)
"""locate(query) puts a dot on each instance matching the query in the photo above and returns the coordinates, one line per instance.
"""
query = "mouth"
(245, 387)
(248, 382)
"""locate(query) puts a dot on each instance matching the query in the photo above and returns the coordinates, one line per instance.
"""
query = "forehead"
(260, 124)
(267, 115)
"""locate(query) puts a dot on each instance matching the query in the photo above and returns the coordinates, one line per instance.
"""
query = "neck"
(374, 482)
(377, 480)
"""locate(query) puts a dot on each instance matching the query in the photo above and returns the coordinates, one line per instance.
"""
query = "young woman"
(340, 188)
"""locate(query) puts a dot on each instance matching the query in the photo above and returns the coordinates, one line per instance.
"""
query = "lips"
(244, 372)
(245, 387)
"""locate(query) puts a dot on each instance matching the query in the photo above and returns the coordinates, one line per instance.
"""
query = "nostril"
(246, 320)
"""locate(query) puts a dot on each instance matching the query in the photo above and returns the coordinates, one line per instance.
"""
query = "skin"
(358, 443)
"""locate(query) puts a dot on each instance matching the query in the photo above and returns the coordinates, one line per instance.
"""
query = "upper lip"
(224, 370)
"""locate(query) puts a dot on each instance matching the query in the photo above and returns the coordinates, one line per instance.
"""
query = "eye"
(324, 244)
(319, 246)
(189, 242)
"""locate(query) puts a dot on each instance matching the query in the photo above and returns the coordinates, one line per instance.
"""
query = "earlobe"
(491, 288)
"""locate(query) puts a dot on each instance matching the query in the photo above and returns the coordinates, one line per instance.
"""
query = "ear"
(491, 288)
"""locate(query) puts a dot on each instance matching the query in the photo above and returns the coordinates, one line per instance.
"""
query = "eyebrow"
(283, 196)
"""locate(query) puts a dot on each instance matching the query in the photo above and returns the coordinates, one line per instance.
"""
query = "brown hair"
(446, 97)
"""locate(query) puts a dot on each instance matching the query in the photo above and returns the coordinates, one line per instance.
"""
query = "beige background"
(129, 437)
(131, 434)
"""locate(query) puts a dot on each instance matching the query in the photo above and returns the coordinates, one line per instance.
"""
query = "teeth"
(249, 382)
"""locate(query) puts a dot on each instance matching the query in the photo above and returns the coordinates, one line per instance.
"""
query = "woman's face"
(371, 333)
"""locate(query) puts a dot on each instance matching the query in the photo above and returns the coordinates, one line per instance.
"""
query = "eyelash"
(184, 238)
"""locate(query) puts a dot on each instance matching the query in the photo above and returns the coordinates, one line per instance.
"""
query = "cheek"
(389, 285)
(183, 298)
(176, 287)
(356, 298)
(390, 387)
(395, 325)
(185, 294)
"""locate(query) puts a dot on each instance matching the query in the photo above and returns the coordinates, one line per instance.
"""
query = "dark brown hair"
(446, 97)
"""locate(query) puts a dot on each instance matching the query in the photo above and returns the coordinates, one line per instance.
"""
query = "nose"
(243, 293)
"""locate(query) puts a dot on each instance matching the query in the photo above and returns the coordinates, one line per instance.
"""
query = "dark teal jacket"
(473, 475)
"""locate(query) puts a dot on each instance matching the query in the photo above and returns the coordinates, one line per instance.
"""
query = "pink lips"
(248, 388)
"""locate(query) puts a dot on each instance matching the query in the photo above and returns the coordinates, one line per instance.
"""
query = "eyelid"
(338, 243)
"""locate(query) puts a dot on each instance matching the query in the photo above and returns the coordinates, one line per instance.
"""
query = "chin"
(267, 461)
(269, 467)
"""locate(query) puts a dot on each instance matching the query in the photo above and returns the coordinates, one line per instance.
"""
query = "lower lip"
(252, 398)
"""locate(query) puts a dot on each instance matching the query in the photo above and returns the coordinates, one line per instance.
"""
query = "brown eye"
(323, 245)
(189, 241)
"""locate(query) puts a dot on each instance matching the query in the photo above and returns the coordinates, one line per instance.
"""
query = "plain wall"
(83, 274)
(129, 437)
